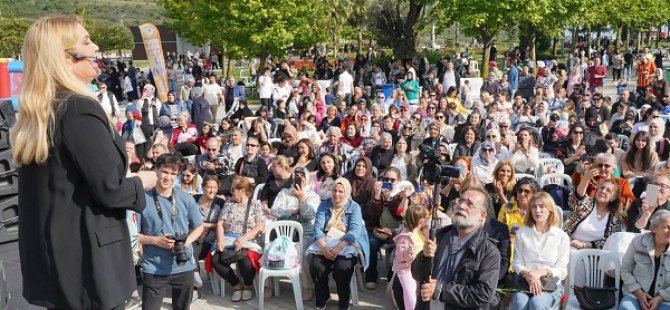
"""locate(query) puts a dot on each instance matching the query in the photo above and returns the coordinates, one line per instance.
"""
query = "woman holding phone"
(572, 150)
(524, 155)
(657, 198)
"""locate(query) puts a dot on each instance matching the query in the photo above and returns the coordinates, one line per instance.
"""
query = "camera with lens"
(223, 165)
(181, 255)
(435, 171)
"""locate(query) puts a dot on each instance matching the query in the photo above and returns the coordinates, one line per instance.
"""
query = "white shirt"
(212, 93)
(591, 228)
(346, 83)
(399, 162)
(127, 84)
(550, 250)
(236, 152)
(522, 162)
(140, 103)
(266, 85)
(281, 93)
(107, 105)
(449, 80)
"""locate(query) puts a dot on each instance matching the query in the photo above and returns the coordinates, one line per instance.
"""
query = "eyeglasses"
(252, 145)
(487, 150)
(601, 165)
(524, 191)
(390, 180)
(661, 185)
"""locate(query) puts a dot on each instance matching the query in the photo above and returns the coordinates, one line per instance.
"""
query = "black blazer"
(74, 244)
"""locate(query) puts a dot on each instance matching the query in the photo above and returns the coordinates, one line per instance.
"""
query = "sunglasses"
(524, 191)
(487, 150)
(491, 136)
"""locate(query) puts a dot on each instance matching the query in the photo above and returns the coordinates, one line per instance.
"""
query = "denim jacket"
(353, 219)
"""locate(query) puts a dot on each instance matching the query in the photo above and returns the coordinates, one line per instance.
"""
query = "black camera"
(181, 255)
(433, 170)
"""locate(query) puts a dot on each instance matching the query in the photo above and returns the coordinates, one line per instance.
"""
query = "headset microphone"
(79, 57)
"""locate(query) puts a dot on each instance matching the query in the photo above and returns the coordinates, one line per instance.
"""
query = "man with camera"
(168, 227)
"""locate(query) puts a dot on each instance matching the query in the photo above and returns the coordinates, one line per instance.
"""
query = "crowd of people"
(346, 157)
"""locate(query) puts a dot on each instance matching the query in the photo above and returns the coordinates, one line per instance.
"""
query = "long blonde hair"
(46, 70)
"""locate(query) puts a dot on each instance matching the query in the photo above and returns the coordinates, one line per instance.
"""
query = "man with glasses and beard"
(466, 263)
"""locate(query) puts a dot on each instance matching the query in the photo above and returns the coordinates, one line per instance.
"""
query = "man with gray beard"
(466, 263)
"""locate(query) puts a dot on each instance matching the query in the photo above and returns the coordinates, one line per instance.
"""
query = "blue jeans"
(631, 303)
(371, 274)
(523, 301)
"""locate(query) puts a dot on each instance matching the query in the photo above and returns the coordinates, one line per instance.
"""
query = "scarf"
(362, 188)
(337, 218)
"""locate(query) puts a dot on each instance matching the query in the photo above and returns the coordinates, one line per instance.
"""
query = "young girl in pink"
(407, 245)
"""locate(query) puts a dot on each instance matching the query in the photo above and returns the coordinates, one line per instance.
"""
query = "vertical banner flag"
(154, 49)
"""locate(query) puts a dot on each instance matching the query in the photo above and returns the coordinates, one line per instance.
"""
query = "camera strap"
(159, 209)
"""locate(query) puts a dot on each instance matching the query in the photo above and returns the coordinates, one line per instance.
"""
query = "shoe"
(371, 285)
(132, 303)
(195, 297)
(323, 307)
(197, 280)
(237, 296)
(246, 295)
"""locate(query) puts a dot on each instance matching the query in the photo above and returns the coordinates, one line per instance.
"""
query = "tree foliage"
(12, 34)
(396, 23)
(251, 27)
(109, 36)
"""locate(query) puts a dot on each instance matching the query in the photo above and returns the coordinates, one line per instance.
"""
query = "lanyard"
(159, 209)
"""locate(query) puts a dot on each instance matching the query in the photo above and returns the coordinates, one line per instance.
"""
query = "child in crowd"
(407, 245)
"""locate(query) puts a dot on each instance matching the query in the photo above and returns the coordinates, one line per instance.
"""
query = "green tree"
(483, 19)
(252, 27)
(109, 36)
(12, 33)
(396, 23)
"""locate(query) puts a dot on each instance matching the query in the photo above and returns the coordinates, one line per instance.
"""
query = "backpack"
(280, 254)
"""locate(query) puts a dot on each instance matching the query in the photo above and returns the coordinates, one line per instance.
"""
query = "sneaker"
(197, 280)
(133, 303)
(323, 307)
(247, 295)
(371, 285)
(237, 296)
(195, 297)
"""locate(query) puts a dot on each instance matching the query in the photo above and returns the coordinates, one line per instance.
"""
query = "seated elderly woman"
(594, 219)
(185, 136)
(589, 176)
(341, 244)
(646, 284)
(235, 231)
(484, 163)
(643, 209)
(299, 203)
(541, 256)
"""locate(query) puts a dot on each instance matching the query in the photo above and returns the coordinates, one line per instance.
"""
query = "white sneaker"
(246, 295)
(197, 280)
(237, 296)
(371, 285)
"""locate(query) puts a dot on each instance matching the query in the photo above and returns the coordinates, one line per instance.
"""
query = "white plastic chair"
(520, 176)
(561, 179)
(596, 263)
(549, 165)
(287, 229)
(452, 149)
(624, 141)
(257, 191)
(660, 165)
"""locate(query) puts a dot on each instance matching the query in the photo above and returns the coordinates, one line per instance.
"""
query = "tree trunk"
(456, 36)
(360, 37)
(334, 44)
(598, 35)
(553, 46)
(658, 35)
(617, 37)
(626, 44)
(532, 36)
(224, 55)
(261, 64)
(649, 37)
(588, 43)
(575, 34)
(484, 67)
(638, 44)
(229, 66)
(432, 34)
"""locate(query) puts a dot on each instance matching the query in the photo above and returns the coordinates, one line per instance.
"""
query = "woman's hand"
(378, 190)
(299, 193)
(220, 245)
(579, 244)
(534, 283)
(148, 179)
(647, 207)
(239, 242)
(499, 188)
(655, 302)
(644, 299)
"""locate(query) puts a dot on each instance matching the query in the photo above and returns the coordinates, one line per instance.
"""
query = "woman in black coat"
(74, 242)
